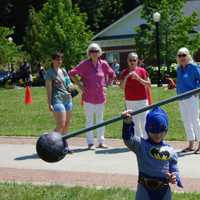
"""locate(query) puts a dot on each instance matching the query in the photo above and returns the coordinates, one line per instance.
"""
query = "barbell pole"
(115, 119)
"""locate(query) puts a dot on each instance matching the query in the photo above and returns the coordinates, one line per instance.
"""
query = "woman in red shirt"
(134, 80)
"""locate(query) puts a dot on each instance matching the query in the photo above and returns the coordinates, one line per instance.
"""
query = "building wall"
(121, 53)
(118, 52)
(123, 59)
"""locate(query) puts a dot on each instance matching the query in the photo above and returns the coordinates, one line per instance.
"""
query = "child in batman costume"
(157, 161)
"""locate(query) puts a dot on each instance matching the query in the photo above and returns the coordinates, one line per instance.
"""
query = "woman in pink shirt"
(95, 75)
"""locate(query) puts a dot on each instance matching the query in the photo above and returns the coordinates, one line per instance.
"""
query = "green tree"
(129, 5)
(57, 27)
(176, 30)
(14, 13)
(108, 12)
(6, 9)
(9, 51)
(102, 13)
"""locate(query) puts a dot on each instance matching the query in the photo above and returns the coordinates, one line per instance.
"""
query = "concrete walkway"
(116, 166)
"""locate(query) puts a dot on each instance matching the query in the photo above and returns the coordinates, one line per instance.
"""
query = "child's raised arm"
(131, 141)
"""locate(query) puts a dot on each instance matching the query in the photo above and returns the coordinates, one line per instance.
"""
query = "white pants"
(90, 111)
(189, 109)
(139, 119)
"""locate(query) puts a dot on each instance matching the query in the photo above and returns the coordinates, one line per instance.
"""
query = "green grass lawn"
(14, 191)
(16, 118)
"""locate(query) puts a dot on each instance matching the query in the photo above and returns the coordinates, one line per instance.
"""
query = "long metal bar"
(117, 118)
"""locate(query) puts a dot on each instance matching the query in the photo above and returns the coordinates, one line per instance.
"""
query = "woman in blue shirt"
(58, 86)
(188, 78)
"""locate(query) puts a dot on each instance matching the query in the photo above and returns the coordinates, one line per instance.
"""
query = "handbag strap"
(61, 79)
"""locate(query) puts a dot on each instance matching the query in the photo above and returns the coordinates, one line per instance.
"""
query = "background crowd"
(93, 75)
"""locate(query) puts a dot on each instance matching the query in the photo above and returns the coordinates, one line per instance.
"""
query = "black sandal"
(197, 151)
(187, 150)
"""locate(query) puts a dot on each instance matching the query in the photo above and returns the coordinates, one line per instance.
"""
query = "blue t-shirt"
(188, 78)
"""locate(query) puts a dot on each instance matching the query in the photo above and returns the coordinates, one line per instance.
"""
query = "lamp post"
(156, 19)
(10, 65)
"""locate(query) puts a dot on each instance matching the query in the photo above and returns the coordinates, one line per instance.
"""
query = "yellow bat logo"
(160, 153)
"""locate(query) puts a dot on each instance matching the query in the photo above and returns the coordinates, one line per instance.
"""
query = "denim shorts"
(63, 107)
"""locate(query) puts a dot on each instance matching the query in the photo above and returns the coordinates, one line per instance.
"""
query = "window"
(111, 56)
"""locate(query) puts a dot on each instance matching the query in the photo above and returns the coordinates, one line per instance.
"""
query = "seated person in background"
(157, 161)
(41, 71)
(116, 68)
(170, 82)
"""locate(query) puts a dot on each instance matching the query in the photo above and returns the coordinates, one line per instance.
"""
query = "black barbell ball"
(50, 147)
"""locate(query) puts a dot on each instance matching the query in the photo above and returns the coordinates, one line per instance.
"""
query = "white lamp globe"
(10, 39)
(156, 17)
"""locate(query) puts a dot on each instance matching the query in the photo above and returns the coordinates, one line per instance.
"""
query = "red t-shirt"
(134, 90)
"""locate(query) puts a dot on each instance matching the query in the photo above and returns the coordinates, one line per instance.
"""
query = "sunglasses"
(182, 55)
(94, 51)
(131, 60)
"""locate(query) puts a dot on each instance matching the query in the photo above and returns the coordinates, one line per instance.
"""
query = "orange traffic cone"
(149, 95)
(28, 97)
